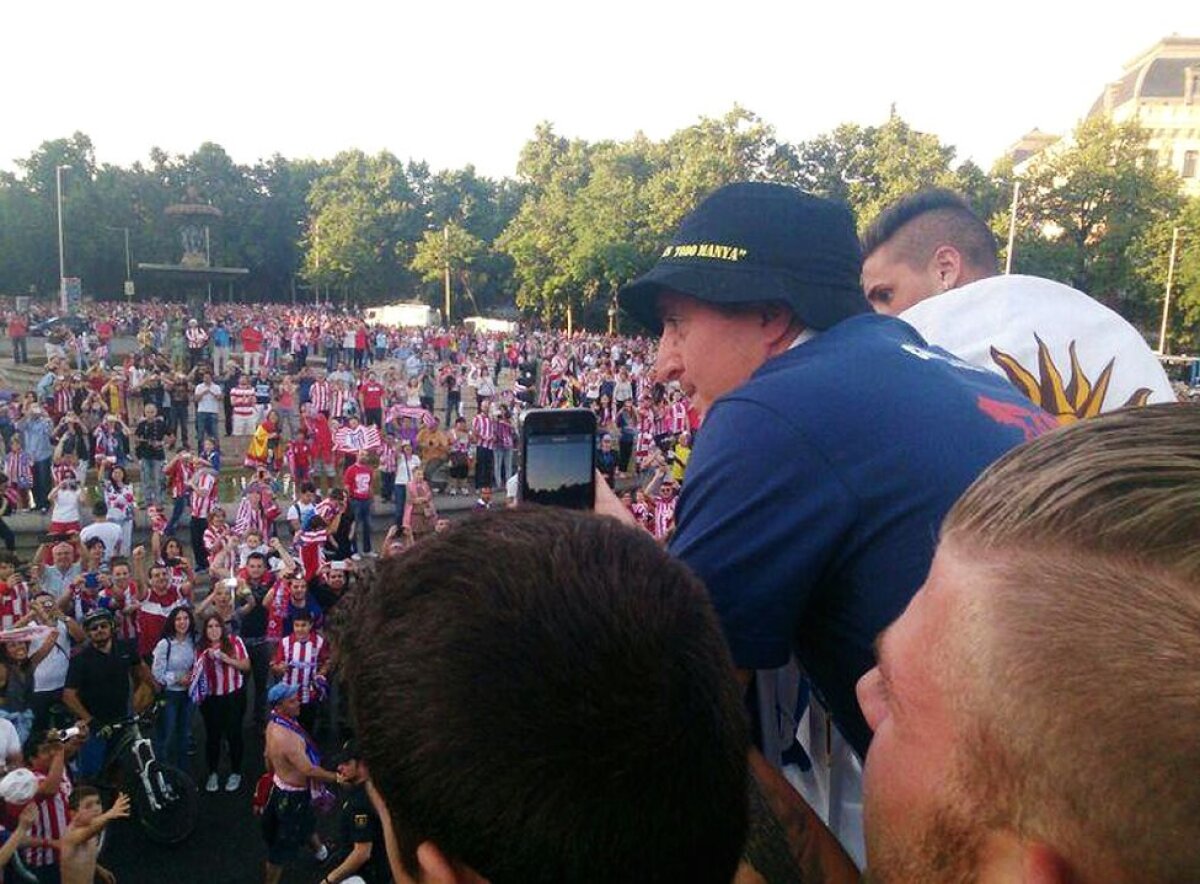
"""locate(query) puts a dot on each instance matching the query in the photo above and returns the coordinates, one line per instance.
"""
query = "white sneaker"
(234, 781)
(213, 783)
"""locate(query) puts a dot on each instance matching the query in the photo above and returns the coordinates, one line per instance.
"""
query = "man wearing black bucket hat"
(833, 441)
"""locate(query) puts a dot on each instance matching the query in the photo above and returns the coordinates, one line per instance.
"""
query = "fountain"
(194, 272)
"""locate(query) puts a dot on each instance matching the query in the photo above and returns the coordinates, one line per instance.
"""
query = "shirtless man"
(80, 844)
(291, 756)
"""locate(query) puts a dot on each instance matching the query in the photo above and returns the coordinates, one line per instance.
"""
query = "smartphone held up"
(558, 458)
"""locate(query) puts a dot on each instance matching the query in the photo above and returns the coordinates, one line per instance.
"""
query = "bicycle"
(164, 798)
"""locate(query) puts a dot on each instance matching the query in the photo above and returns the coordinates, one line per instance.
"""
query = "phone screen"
(558, 470)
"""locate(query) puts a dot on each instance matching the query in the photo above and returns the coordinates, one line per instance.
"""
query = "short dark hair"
(546, 695)
(917, 224)
(81, 793)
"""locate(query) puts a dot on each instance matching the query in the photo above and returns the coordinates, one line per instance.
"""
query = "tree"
(364, 221)
(874, 166)
(458, 250)
(1092, 201)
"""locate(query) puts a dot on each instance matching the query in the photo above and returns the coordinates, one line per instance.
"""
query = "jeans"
(206, 426)
(6, 534)
(41, 483)
(20, 351)
(400, 498)
(177, 421)
(362, 515)
(502, 465)
(289, 422)
(181, 503)
(174, 728)
(152, 472)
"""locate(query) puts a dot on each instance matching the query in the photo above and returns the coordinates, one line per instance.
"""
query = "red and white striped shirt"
(117, 601)
(303, 659)
(337, 402)
(328, 508)
(180, 474)
(388, 459)
(483, 430)
(63, 397)
(225, 679)
(152, 615)
(250, 518)
(14, 603)
(19, 467)
(196, 337)
(50, 823)
(318, 395)
(310, 547)
(677, 417)
(204, 494)
(243, 400)
(664, 517)
(214, 536)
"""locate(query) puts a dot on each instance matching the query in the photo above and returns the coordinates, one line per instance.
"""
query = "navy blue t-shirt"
(816, 490)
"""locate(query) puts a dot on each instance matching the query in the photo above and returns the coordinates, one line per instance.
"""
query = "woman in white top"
(121, 503)
(174, 657)
(67, 498)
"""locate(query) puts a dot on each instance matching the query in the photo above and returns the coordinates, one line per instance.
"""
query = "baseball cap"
(18, 786)
(753, 242)
(280, 692)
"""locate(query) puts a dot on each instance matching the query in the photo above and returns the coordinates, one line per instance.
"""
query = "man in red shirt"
(371, 392)
(18, 331)
(357, 480)
(252, 341)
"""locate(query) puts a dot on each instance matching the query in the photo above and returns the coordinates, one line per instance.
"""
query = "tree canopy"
(580, 218)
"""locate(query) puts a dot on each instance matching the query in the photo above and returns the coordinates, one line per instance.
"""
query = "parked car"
(75, 324)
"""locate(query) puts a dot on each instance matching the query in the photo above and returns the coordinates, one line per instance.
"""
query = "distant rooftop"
(1169, 71)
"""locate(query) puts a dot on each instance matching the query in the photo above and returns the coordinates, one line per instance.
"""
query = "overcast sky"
(466, 82)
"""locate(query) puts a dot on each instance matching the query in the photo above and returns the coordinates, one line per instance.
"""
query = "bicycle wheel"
(168, 815)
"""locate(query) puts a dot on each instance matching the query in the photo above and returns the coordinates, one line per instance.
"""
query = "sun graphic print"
(1079, 398)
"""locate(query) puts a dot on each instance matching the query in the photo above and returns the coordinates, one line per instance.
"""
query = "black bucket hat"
(753, 242)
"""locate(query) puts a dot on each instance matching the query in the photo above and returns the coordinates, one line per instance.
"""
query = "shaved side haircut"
(916, 226)
(1079, 658)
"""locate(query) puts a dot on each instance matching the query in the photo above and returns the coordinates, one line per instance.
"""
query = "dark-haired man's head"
(925, 244)
(597, 664)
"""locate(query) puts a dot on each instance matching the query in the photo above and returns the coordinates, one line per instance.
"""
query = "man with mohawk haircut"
(931, 261)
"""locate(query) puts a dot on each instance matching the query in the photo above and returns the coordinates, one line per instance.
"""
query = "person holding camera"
(67, 498)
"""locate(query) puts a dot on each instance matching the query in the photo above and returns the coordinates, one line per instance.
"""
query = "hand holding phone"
(558, 458)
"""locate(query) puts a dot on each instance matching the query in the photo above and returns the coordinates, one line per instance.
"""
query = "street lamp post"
(62, 264)
(446, 259)
(1012, 229)
(128, 266)
(1162, 331)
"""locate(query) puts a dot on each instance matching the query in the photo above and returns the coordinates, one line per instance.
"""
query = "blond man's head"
(1054, 658)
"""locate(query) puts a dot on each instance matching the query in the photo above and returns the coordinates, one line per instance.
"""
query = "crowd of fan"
(334, 412)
